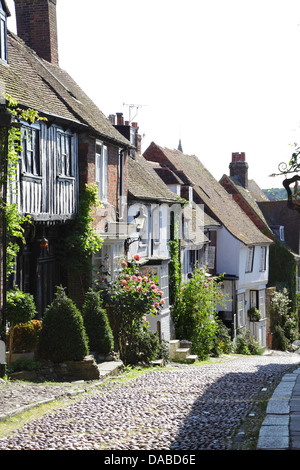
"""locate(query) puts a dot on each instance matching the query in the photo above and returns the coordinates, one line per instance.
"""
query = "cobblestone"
(182, 408)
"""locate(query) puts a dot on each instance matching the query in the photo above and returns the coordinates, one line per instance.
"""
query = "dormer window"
(3, 33)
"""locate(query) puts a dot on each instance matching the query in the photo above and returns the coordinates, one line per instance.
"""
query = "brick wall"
(37, 26)
(86, 157)
(154, 154)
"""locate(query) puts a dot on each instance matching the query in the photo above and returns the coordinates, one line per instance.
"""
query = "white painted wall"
(232, 259)
(255, 278)
(228, 253)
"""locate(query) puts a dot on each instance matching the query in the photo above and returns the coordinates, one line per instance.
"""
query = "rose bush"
(132, 297)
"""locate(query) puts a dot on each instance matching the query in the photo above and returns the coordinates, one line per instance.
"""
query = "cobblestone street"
(183, 408)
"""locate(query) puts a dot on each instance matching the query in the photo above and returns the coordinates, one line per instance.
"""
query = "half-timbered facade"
(75, 145)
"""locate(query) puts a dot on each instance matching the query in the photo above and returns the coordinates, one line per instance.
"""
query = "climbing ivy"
(82, 241)
(175, 268)
(283, 271)
(14, 220)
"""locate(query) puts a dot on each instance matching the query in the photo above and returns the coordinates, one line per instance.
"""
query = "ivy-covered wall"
(283, 271)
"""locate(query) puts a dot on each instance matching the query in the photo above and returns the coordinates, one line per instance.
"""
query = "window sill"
(30, 177)
(65, 178)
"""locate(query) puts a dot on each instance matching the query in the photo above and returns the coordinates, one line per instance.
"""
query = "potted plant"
(254, 314)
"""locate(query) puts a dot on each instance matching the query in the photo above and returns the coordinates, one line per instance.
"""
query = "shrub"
(25, 336)
(20, 308)
(146, 347)
(96, 323)
(195, 313)
(28, 364)
(63, 336)
(132, 297)
(284, 323)
(222, 343)
(247, 344)
(279, 340)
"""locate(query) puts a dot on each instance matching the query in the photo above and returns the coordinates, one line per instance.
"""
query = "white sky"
(222, 75)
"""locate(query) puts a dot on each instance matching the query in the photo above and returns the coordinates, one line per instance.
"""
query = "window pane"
(68, 156)
(59, 163)
(3, 39)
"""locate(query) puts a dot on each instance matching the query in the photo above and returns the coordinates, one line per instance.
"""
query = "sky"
(222, 76)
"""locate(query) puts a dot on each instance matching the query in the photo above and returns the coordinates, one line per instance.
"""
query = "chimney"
(37, 26)
(120, 119)
(239, 168)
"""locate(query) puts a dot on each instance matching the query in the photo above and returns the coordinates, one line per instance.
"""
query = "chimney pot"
(120, 120)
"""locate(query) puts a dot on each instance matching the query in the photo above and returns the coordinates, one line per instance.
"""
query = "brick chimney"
(37, 26)
(239, 168)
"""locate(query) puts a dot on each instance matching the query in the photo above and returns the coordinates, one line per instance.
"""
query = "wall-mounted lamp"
(140, 219)
(44, 243)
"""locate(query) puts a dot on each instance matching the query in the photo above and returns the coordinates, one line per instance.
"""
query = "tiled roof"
(218, 203)
(144, 183)
(45, 87)
(248, 198)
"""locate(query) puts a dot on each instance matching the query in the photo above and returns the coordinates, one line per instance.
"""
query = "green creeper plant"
(283, 324)
(79, 244)
(14, 220)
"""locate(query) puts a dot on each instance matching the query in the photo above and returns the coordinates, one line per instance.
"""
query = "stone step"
(158, 363)
(110, 368)
(182, 353)
(174, 344)
(192, 358)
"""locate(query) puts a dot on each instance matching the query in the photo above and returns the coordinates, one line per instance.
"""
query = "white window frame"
(263, 259)
(101, 171)
(31, 151)
(162, 272)
(65, 152)
(241, 309)
(250, 259)
(3, 35)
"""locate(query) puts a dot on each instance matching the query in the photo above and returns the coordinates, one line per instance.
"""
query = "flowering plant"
(195, 314)
(133, 296)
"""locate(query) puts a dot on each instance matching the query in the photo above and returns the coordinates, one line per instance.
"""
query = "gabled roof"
(247, 196)
(217, 202)
(145, 184)
(35, 83)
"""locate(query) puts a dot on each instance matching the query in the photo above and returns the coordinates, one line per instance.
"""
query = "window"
(108, 262)
(210, 253)
(31, 151)
(249, 260)
(253, 299)
(101, 171)
(241, 309)
(162, 272)
(3, 34)
(263, 258)
(64, 154)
